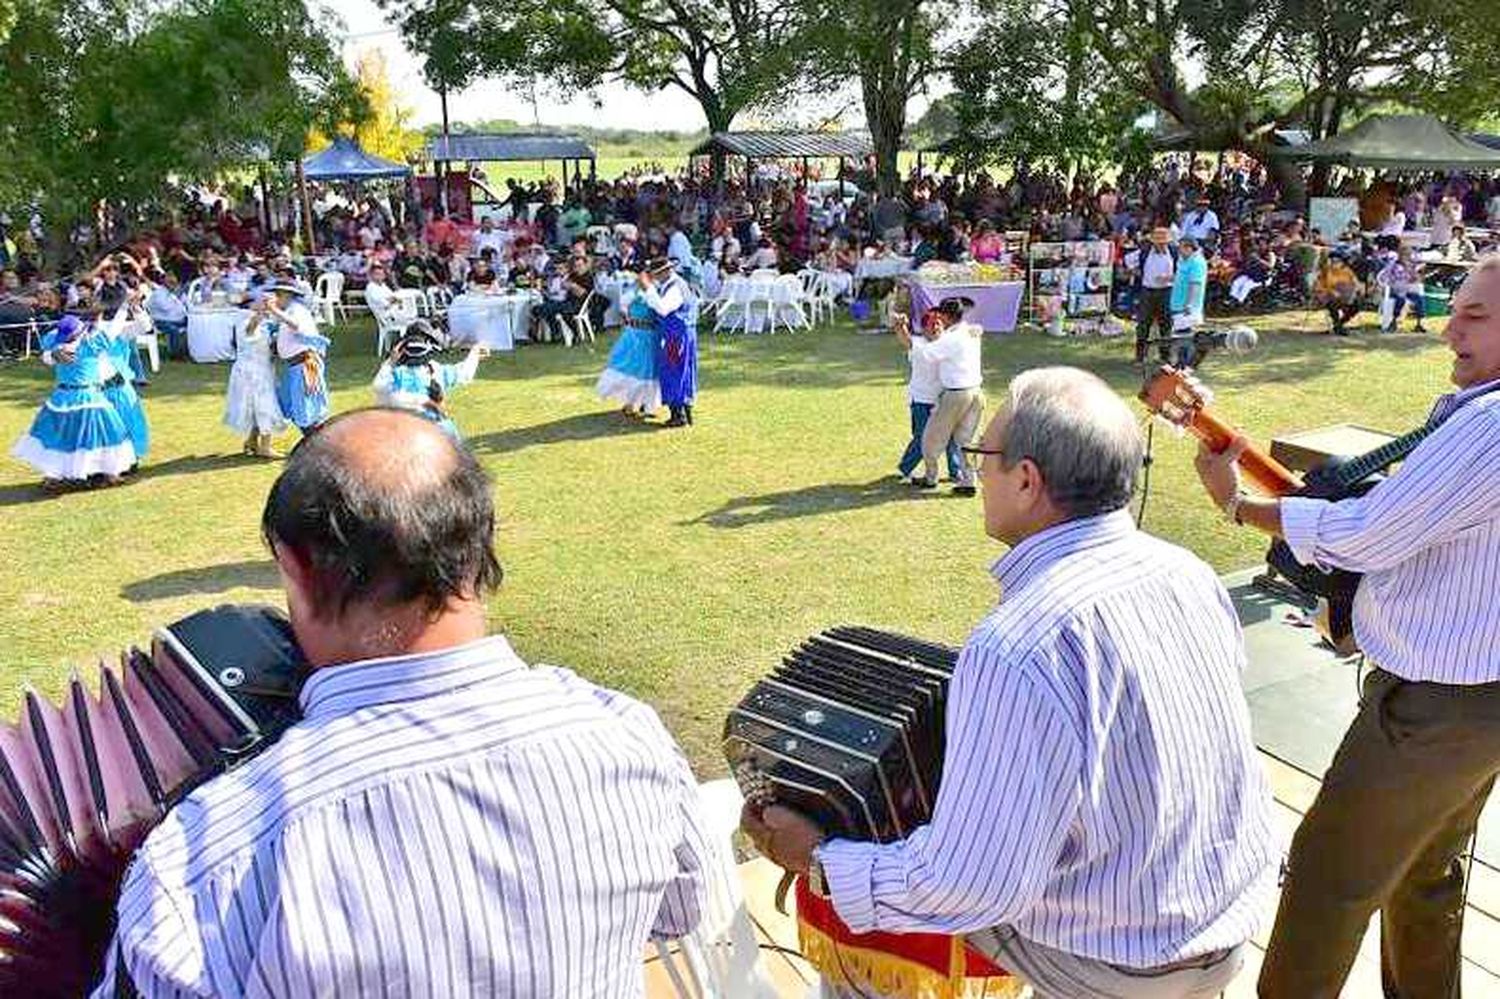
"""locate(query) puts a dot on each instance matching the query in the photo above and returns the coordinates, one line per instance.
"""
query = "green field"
(677, 565)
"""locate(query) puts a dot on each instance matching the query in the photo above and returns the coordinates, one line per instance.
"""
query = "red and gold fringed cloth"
(895, 965)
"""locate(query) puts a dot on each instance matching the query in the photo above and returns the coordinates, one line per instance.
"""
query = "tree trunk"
(885, 113)
(719, 119)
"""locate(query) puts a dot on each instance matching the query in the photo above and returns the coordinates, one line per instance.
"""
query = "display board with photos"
(1072, 279)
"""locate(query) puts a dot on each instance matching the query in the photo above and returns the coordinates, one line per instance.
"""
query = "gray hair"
(1079, 433)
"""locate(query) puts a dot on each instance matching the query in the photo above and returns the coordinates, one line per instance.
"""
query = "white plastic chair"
(732, 307)
(152, 343)
(581, 325)
(721, 958)
(812, 282)
(328, 296)
(438, 298)
(194, 286)
(391, 323)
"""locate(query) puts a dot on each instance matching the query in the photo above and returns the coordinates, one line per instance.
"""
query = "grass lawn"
(676, 565)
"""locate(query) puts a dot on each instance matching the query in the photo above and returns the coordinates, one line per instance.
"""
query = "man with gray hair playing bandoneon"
(1103, 827)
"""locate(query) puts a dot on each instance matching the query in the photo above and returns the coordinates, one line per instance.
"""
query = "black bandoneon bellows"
(848, 729)
(81, 783)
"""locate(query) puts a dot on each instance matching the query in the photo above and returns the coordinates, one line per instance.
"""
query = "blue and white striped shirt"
(456, 824)
(1428, 541)
(1101, 793)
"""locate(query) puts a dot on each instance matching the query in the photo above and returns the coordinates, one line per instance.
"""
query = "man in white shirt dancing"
(1103, 827)
(956, 350)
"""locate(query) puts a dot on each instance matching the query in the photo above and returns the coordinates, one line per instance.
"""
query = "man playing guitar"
(1401, 799)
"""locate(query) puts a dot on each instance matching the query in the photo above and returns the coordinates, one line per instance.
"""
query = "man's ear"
(298, 574)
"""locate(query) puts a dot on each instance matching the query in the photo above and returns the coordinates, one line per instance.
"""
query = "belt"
(114, 382)
(641, 326)
(1208, 960)
(76, 386)
(296, 359)
(962, 388)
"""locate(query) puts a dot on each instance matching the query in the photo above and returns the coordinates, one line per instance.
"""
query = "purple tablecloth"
(996, 306)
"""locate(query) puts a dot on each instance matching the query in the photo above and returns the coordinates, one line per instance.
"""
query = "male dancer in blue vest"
(677, 349)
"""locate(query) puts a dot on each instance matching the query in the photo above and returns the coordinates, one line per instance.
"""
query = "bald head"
(384, 509)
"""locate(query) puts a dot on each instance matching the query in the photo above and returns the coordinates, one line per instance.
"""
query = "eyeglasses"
(974, 456)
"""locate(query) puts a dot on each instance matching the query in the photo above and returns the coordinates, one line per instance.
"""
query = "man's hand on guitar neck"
(1220, 473)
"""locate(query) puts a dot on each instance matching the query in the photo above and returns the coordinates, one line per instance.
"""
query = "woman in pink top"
(988, 245)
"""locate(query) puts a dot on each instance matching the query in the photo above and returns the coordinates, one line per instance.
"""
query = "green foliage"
(1027, 86)
(101, 101)
(729, 56)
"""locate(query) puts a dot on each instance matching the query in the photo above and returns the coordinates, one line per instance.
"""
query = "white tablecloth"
(211, 333)
(496, 321)
(613, 287)
(880, 267)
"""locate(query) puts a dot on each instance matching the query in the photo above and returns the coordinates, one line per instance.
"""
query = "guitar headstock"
(1175, 396)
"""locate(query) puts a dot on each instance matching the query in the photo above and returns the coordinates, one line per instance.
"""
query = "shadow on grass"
(580, 427)
(260, 574)
(812, 501)
(191, 464)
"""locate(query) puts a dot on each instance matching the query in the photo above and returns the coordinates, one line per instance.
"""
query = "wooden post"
(841, 177)
(440, 167)
(306, 205)
(265, 201)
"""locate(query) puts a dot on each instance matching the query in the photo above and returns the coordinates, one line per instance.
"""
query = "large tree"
(100, 100)
(890, 49)
(728, 55)
(1292, 63)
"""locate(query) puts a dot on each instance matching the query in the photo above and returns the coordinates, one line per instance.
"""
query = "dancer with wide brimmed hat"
(671, 300)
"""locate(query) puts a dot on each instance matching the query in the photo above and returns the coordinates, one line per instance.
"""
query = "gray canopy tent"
(803, 146)
(515, 148)
(1399, 142)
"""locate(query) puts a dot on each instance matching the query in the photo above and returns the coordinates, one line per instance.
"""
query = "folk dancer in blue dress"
(676, 311)
(303, 386)
(125, 313)
(630, 376)
(412, 377)
(77, 435)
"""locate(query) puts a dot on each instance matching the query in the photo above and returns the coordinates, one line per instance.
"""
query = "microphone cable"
(1140, 516)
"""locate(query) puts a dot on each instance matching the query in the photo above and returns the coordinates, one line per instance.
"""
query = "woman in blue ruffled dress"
(412, 377)
(78, 436)
(630, 377)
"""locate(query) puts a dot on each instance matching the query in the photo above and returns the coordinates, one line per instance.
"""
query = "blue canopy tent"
(343, 160)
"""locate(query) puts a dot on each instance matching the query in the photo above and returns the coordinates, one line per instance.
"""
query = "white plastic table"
(211, 333)
(496, 321)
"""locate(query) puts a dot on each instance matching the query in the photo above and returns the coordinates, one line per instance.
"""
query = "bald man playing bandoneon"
(1400, 801)
(445, 820)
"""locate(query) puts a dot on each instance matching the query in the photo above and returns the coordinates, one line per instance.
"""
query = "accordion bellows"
(848, 729)
(83, 782)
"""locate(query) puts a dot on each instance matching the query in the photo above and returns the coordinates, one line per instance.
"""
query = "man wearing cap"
(1158, 268)
(677, 349)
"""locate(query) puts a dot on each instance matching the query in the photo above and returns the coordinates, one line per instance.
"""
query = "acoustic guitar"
(1178, 397)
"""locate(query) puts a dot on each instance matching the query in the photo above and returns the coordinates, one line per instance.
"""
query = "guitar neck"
(1264, 472)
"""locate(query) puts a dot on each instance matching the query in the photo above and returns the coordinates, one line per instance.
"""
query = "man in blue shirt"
(1189, 286)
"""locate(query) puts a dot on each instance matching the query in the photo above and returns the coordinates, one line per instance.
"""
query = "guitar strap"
(1360, 468)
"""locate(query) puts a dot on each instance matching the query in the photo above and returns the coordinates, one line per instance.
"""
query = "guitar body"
(1334, 588)
(1178, 397)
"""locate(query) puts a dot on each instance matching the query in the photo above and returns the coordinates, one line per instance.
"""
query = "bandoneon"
(849, 730)
(83, 782)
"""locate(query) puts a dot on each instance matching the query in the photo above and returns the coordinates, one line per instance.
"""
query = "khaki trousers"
(956, 417)
(1388, 831)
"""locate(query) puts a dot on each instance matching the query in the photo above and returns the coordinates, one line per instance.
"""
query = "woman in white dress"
(250, 406)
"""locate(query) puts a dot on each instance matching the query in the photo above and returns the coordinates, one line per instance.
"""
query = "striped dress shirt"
(1101, 794)
(454, 824)
(1428, 541)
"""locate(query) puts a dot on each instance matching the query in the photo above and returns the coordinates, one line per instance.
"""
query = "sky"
(620, 106)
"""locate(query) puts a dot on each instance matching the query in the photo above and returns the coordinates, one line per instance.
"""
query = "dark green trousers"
(1388, 831)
